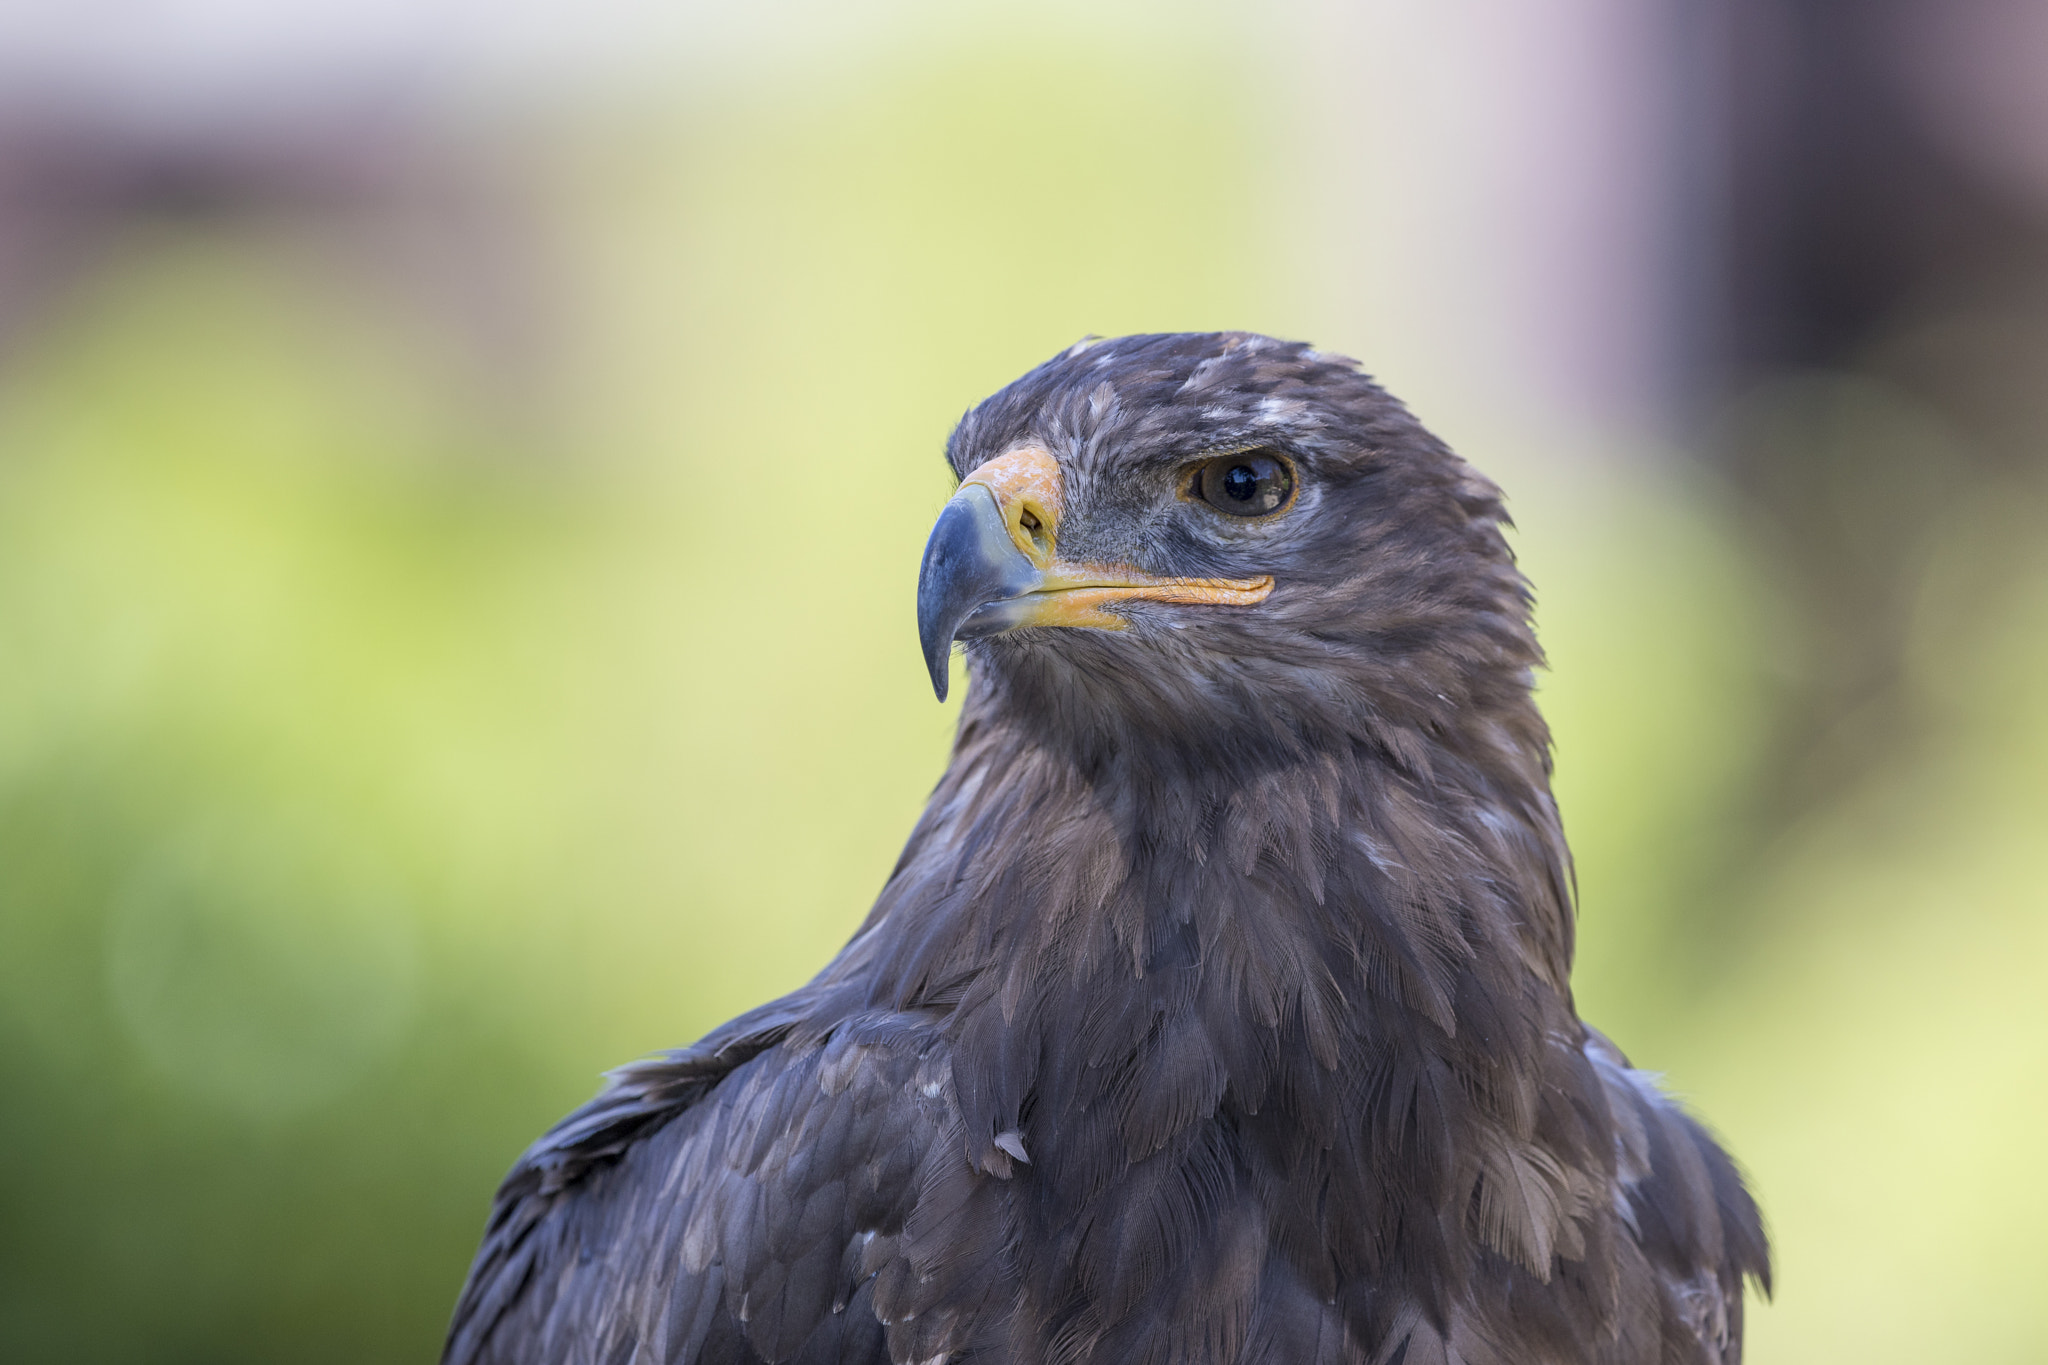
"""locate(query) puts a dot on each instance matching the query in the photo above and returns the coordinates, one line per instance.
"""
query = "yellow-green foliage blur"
(387, 748)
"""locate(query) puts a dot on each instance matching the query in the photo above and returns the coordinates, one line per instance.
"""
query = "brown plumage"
(1218, 1009)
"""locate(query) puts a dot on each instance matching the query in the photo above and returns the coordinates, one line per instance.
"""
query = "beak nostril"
(1032, 523)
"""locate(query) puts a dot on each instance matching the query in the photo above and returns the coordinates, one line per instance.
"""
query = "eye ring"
(1245, 484)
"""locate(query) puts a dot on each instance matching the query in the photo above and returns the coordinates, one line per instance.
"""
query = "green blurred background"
(460, 500)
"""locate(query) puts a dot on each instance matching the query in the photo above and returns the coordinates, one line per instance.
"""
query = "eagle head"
(1215, 535)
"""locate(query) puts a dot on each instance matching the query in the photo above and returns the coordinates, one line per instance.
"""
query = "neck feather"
(1405, 893)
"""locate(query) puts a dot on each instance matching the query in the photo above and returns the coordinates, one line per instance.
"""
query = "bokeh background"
(462, 474)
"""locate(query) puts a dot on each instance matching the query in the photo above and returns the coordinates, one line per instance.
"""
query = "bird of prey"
(1218, 1009)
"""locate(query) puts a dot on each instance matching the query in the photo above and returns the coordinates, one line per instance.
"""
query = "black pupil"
(1250, 484)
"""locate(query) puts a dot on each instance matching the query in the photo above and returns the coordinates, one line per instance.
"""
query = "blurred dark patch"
(1884, 329)
(436, 227)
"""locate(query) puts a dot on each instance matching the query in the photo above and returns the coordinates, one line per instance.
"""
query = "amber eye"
(1252, 483)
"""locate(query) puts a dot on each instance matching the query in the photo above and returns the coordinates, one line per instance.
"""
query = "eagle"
(1218, 1010)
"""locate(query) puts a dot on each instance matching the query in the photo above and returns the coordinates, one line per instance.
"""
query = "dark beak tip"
(969, 562)
(936, 621)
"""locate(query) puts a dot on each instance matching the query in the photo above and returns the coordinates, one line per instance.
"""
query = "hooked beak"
(993, 565)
